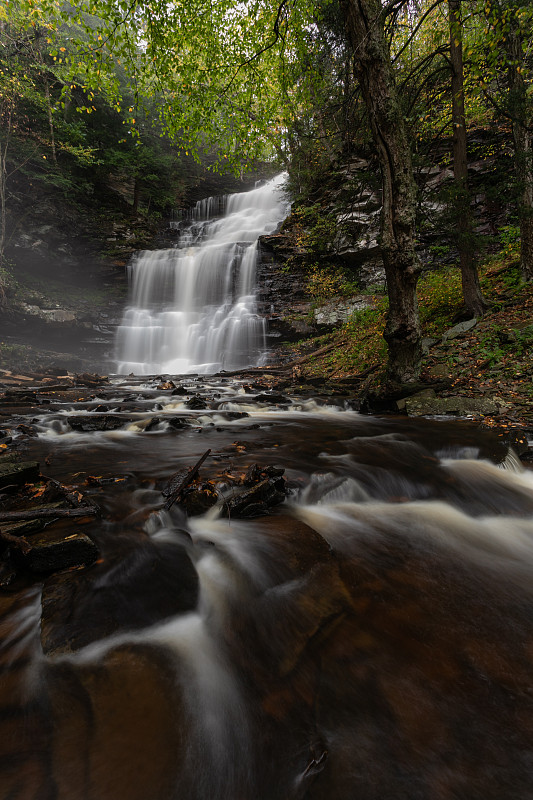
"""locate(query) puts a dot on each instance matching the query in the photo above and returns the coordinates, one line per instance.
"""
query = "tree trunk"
(402, 266)
(522, 116)
(6, 118)
(472, 296)
(136, 196)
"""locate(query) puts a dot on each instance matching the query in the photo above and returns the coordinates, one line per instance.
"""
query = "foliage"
(439, 297)
(315, 229)
(327, 280)
(360, 344)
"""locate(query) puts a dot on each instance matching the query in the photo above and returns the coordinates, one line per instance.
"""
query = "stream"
(359, 626)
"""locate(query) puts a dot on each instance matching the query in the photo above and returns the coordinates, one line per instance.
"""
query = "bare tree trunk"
(472, 295)
(136, 196)
(522, 116)
(6, 120)
(402, 266)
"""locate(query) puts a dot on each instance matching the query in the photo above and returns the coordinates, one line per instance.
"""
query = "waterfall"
(193, 307)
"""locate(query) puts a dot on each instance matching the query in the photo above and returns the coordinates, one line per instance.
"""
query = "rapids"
(371, 638)
(193, 307)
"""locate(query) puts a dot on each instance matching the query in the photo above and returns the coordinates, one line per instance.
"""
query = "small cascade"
(193, 307)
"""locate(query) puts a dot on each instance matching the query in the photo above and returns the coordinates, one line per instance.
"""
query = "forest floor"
(492, 360)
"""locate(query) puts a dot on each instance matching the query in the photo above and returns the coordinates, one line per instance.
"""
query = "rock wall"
(351, 197)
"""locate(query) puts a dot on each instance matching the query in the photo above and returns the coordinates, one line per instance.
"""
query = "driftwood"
(48, 513)
(309, 356)
(18, 542)
(180, 481)
(281, 368)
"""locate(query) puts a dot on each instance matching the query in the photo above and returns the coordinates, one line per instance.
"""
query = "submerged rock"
(196, 403)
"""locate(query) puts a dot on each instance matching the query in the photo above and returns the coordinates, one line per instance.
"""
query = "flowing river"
(368, 635)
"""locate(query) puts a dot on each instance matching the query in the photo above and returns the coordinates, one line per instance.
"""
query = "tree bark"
(402, 266)
(6, 118)
(522, 117)
(136, 196)
(472, 295)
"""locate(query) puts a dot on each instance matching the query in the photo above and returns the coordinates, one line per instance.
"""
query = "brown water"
(371, 638)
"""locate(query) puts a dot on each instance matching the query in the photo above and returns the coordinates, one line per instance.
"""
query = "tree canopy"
(278, 79)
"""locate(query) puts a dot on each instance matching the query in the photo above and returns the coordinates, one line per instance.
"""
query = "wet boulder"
(196, 403)
(198, 499)
(91, 423)
(272, 399)
(255, 501)
(231, 415)
(178, 423)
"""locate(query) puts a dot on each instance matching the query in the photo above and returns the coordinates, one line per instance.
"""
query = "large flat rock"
(17, 472)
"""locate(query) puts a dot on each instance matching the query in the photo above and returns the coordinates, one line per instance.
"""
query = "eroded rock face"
(339, 310)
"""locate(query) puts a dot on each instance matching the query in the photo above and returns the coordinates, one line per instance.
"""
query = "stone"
(51, 551)
(198, 499)
(235, 414)
(196, 403)
(178, 423)
(439, 371)
(459, 329)
(338, 311)
(88, 423)
(427, 343)
(272, 399)
(425, 394)
(256, 501)
(17, 472)
(450, 406)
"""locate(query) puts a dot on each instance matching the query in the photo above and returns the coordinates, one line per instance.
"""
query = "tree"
(508, 36)
(521, 109)
(365, 19)
(472, 296)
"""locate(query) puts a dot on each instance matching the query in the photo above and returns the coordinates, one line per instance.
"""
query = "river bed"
(368, 635)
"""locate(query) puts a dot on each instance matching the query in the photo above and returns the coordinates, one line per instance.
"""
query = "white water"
(193, 307)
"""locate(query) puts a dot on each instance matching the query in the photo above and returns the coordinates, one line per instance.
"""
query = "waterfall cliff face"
(193, 307)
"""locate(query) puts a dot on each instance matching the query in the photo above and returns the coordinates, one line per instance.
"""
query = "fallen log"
(180, 480)
(48, 513)
(309, 356)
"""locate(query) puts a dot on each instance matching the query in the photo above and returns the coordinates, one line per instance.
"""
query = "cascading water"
(371, 636)
(193, 307)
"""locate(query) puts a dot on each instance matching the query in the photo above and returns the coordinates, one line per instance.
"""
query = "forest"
(156, 96)
(266, 384)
